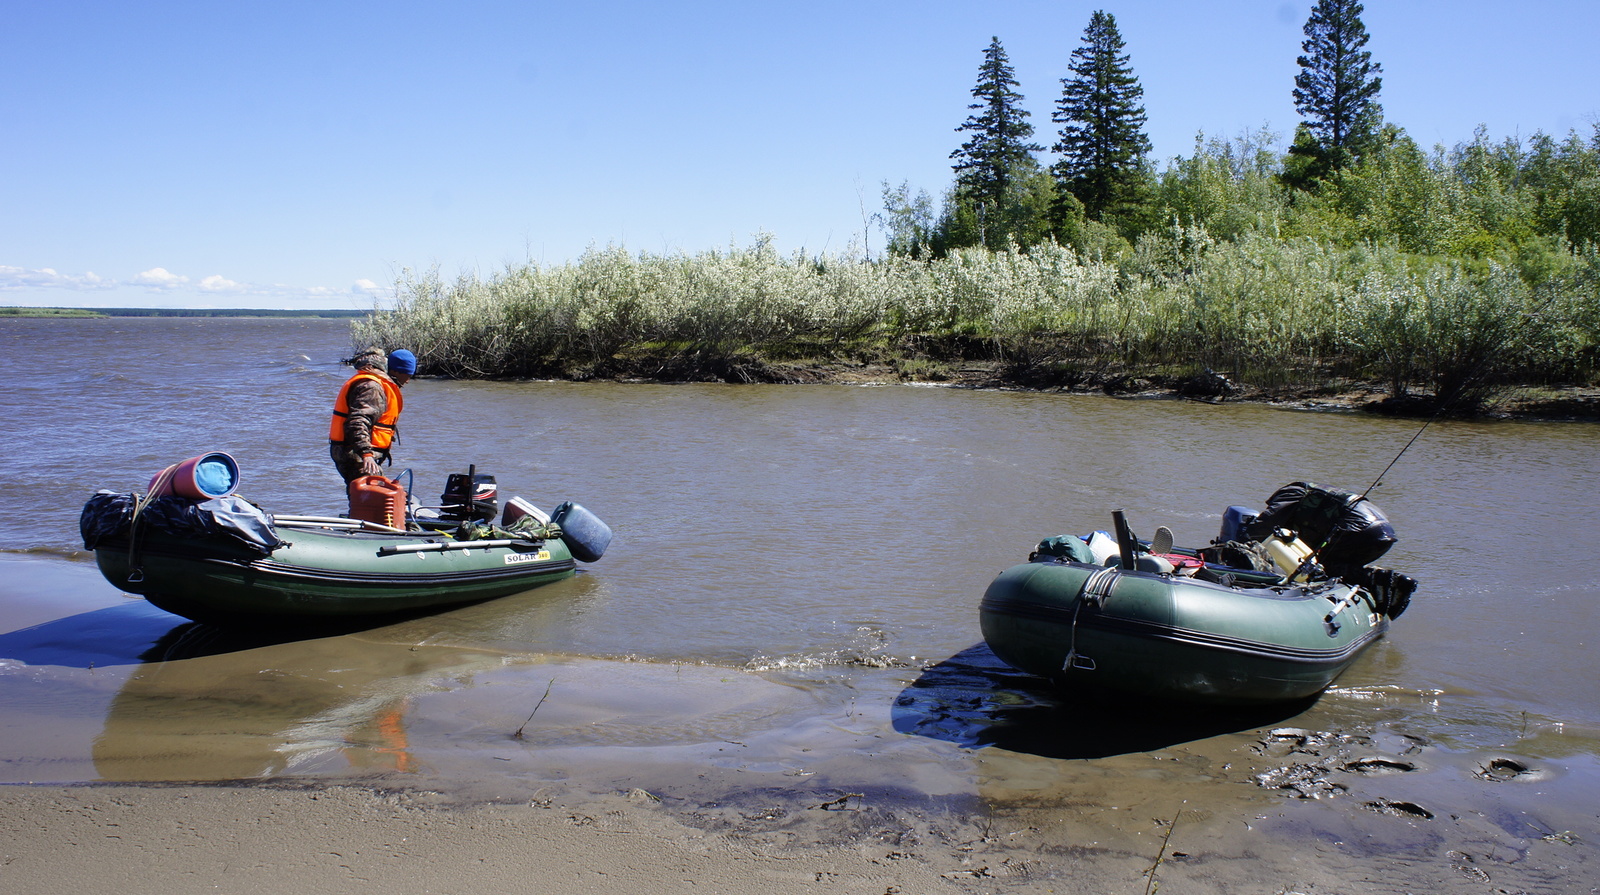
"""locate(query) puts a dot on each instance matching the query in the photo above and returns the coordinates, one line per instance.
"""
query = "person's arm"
(367, 403)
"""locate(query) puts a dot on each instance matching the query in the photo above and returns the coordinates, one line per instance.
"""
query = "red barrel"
(198, 478)
(374, 498)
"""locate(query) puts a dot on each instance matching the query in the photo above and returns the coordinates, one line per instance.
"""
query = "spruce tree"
(1337, 87)
(1103, 144)
(998, 154)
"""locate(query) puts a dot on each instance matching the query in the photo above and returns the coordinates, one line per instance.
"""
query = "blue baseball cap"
(402, 361)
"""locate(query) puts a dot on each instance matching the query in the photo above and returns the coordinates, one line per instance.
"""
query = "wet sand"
(337, 840)
(276, 837)
(332, 765)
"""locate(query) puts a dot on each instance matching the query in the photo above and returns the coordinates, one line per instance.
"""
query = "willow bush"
(1280, 312)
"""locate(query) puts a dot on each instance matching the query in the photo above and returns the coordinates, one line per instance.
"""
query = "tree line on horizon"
(1348, 176)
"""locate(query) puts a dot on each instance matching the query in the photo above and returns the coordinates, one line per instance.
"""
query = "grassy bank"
(49, 312)
(1182, 307)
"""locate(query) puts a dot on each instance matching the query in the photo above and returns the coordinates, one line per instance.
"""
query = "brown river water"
(789, 608)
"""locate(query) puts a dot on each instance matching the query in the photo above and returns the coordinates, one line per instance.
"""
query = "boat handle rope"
(135, 567)
(1096, 588)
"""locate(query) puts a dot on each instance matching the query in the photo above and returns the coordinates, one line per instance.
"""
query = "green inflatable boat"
(224, 561)
(1256, 617)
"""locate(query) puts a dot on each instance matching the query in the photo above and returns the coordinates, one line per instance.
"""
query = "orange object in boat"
(374, 498)
(198, 478)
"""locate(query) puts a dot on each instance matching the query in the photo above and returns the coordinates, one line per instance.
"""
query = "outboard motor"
(1235, 520)
(469, 496)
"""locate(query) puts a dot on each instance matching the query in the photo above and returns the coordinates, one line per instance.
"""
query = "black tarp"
(1349, 529)
(109, 515)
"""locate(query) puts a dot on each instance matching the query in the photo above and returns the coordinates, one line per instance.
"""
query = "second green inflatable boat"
(1154, 621)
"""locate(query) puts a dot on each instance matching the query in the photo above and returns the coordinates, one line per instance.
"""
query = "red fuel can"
(374, 498)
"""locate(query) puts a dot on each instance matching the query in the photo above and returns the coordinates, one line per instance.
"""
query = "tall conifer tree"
(1337, 87)
(1103, 144)
(988, 165)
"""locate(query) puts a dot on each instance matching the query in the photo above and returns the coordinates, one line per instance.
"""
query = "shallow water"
(791, 595)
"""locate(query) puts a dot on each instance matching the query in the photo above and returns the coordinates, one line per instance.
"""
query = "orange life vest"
(383, 429)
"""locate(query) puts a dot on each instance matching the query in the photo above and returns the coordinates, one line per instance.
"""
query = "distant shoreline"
(87, 313)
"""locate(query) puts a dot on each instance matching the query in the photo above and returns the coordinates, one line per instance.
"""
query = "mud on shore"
(1529, 402)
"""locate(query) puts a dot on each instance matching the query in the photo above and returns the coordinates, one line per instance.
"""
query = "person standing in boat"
(367, 411)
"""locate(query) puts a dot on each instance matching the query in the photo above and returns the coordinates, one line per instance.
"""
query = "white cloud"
(219, 283)
(175, 289)
(46, 278)
(159, 278)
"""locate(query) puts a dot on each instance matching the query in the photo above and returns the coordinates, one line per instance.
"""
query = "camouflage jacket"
(367, 403)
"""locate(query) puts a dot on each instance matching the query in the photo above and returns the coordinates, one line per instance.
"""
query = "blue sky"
(304, 154)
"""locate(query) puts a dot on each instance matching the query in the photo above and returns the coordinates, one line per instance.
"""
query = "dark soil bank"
(1544, 403)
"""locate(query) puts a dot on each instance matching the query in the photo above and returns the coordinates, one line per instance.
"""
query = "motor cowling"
(469, 496)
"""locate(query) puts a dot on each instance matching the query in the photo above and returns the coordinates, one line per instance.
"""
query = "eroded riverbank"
(1528, 403)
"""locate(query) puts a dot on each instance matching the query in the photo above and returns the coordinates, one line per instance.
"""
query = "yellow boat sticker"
(514, 558)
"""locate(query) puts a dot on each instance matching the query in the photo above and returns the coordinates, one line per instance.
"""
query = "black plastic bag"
(1348, 530)
(110, 515)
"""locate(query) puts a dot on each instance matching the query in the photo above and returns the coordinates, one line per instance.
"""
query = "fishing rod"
(1314, 557)
(1379, 480)
(1459, 392)
(1461, 389)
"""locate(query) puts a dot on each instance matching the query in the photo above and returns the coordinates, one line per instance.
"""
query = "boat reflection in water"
(975, 700)
(211, 703)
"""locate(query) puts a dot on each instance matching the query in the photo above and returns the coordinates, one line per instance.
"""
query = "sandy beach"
(271, 839)
(174, 840)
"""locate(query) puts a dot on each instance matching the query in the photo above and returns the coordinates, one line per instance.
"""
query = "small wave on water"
(304, 365)
(841, 658)
(53, 552)
(867, 649)
(1389, 694)
(835, 659)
